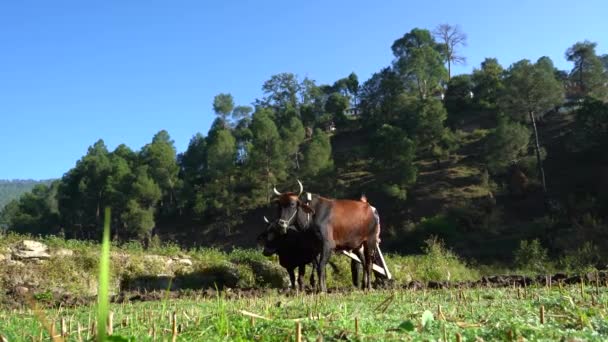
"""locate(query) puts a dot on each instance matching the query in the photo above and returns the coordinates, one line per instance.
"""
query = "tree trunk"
(267, 180)
(539, 162)
(580, 76)
(449, 70)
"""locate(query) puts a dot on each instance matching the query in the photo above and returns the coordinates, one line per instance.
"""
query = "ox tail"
(377, 219)
(363, 199)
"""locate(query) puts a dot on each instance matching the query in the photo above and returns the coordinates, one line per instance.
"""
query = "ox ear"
(307, 209)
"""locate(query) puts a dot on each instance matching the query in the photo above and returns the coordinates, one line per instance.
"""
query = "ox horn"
(301, 187)
(276, 192)
(266, 220)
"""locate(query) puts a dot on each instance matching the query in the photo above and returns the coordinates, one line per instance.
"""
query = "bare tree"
(450, 37)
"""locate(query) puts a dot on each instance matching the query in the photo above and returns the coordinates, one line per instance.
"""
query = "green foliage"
(223, 104)
(13, 189)
(317, 156)
(135, 184)
(336, 104)
(589, 75)
(352, 84)
(445, 145)
(419, 61)
(393, 154)
(145, 190)
(591, 124)
(382, 100)
(441, 226)
(267, 164)
(313, 103)
(437, 264)
(160, 157)
(429, 127)
(395, 191)
(292, 135)
(35, 212)
(81, 193)
(45, 296)
(139, 221)
(458, 101)
(221, 153)
(506, 145)
(531, 256)
(581, 260)
(241, 112)
(488, 81)
(7, 213)
(281, 91)
(531, 89)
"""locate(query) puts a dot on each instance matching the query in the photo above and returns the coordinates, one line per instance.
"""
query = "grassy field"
(570, 314)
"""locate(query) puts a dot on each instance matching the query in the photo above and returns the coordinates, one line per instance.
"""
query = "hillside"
(13, 189)
(452, 201)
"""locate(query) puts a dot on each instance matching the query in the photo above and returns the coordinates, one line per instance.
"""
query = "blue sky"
(72, 72)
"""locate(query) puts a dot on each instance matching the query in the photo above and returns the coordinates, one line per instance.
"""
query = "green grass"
(103, 299)
(491, 314)
(79, 275)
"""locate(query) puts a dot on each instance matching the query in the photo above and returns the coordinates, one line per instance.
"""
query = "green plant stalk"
(104, 279)
(166, 298)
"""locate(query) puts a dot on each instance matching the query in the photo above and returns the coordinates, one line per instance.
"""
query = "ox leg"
(315, 267)
(292, 277)
(325, 254)
(354, 267)
(301, 272)
(367, 274)
(354, 272)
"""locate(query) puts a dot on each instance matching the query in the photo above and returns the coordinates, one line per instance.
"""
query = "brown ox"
(340, 225)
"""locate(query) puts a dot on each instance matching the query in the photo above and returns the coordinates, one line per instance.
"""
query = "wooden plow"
(382, 269)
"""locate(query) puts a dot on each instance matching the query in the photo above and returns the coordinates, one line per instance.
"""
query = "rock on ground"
(29, 249)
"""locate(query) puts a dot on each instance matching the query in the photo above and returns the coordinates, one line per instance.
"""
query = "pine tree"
(160, 157)
(317, 157)
(267, 164)
(292, 135)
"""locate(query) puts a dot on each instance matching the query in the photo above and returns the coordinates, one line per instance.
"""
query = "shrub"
(246, 256)
(209, 256)
(582, 259)
(133, 246)
(395, 191)
(439, 225)
(532, 257)
(439, 263)
(508, 143)
(168, 248)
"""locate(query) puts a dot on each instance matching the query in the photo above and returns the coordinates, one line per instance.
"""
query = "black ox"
(338, 225)
(296, 249)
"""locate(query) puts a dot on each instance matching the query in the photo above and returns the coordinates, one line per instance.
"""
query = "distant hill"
(12, 189)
